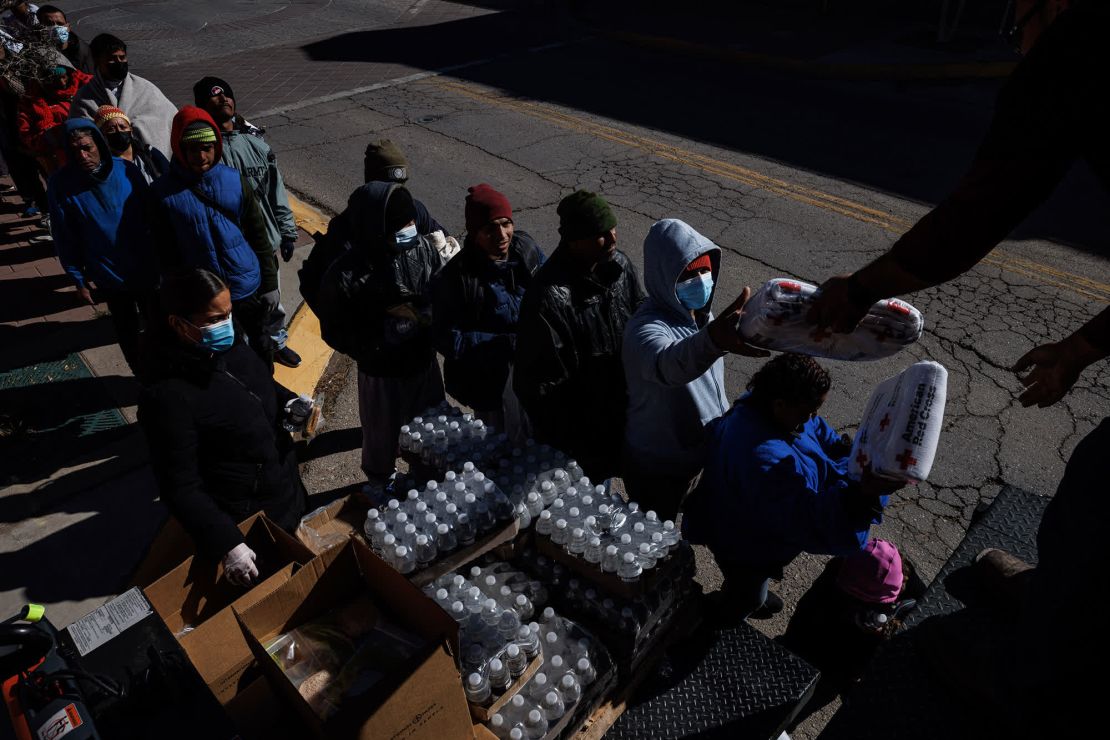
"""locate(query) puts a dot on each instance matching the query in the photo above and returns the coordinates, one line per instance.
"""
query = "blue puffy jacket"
(98, 220)
(221, 230)
(765, 497)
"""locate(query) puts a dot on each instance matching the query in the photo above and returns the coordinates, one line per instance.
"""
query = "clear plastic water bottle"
(491, 613)
(499, 679)
(458, 611)
(577, 543)
(507, 625)
(560, 534)
(465, 530)
(629, 569)
(593, 552)
(610, 561)
(477, 688)
(548, 492)
(425, 552)
(405, 560)
(545, 523)
(445, 539)
(515, 660)
(528, 641)
(498, 726)
(570, 689)
(539, 686)
(553, 706)
(535, 724)
(585, 671)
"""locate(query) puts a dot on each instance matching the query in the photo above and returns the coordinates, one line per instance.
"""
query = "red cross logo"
(884, 423)
(898, 307)
(905, 460)
(819, 334)
(790, 287)
(861, 459)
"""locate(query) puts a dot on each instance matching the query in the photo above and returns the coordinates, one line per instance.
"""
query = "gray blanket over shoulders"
(150, 111)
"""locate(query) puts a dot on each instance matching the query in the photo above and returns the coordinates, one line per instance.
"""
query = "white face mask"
(406, 237)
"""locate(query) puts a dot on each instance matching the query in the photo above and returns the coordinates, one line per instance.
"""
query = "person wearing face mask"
(66, 39)
(97, 210)
(255, 161)
(477, 303)
(216, 424)
(776, 485)
(205, 214)
(126, 144)
(674, 362)
(45, 107)
(568, 373)
(150, 111)
(375, 306)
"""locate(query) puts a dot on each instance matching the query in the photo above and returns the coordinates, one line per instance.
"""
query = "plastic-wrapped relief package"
(775, 318)
(900, 430)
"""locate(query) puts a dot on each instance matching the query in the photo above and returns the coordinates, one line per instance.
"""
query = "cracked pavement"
(791, 177)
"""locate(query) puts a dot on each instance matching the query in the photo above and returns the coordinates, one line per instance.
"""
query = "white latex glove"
(239, 567)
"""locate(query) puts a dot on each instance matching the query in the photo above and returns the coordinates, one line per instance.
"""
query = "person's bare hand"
(1055, 368)
(86, 295)
(837, 305)
(724, 333)
(874, 485)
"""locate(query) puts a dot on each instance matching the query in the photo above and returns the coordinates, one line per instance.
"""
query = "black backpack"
(328, 248)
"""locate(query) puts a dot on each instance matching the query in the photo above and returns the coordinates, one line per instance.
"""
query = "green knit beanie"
(385, 161)
(583, 214)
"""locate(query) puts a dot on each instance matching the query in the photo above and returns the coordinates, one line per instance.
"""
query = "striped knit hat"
(107, 113)
(199, 131)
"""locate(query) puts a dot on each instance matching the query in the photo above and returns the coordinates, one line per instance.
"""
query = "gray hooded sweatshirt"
(675, 373)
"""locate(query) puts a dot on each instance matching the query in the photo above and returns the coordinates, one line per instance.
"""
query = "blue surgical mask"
(695, 292)
(217, 337)
(406, 237)
(61, 35)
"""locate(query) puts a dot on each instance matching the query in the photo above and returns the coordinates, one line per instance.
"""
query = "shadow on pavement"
(89, 558)
(913, 140)
(41, 341)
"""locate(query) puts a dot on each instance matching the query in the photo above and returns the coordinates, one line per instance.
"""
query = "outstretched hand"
(725, 334)
(1055, 368)
(837, 305)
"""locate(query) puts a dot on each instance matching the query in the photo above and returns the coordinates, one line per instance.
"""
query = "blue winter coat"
(476, 308)
(98, 221)
(675, 373)
(206, 236)
(764, 497)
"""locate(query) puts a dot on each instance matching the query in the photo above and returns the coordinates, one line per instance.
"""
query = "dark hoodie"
(375, 301)
(212, 220)
(98, 220)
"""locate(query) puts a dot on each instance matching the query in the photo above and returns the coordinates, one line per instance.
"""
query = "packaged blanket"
(775, 318)
(900, 430)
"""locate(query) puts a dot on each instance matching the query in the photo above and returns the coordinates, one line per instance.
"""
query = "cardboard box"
(344, 518)
(423, 699)
(196, 594)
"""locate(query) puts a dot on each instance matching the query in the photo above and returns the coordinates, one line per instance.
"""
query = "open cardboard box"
(423, 698)
(343, 519)
(482, 713)
(197, 595)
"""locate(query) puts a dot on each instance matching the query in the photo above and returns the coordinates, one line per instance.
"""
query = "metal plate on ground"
(734, 683)
(899, 696)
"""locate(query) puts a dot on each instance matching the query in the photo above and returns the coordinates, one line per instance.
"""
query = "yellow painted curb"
(304, 329)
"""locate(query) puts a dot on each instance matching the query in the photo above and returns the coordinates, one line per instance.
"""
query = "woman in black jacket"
(213, 417)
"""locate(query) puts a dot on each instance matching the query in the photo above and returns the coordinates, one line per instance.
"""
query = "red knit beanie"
(483, 205)
(700, 262)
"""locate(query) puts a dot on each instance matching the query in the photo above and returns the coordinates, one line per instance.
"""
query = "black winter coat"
(219, 452)
(375, 303)
(568, 373)
(476, 312)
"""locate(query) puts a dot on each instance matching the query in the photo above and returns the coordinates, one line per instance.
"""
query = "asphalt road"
(790, 177)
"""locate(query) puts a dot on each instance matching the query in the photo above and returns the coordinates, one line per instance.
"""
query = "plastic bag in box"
(900, 430)
(775, 318)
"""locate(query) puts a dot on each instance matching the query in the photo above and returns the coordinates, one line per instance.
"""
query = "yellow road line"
(1001, 258)
(304, 329)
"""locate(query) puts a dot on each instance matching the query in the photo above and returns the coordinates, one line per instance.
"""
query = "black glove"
(286, 248)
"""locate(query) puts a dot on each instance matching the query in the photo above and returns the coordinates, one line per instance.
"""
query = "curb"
(304, 327)
(813, 68)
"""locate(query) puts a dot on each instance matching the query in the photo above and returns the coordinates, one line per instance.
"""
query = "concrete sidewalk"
(78, 503)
